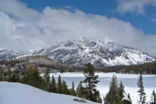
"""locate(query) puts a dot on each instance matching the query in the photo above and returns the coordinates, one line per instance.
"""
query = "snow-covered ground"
(16, 93)
(129, 81)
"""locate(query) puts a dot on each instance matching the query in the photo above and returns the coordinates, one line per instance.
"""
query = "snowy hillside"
(99, 53)
(16, 93)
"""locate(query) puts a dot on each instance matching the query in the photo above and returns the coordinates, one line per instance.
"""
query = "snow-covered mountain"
(16, 93)
(99, 53)
(78, 53)
(9, 54)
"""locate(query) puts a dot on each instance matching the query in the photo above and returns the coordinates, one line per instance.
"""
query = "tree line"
(146, 68)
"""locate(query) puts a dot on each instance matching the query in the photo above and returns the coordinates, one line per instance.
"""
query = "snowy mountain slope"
(9, 54)
(99, 53)
(16, 93)
(6, 54)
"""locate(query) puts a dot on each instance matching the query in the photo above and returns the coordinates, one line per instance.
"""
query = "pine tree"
(91, 81)
(65, 88)
(33, 78)
(80, 91)
(1, 74)
(52, 87)
(153, 98)
(46, 76)
(9, 74)
(72, 90)
(141, 90)
(121, 90)
(113, 96)
(96, 96)
(14, 77)
(59, 85)
(129, 97)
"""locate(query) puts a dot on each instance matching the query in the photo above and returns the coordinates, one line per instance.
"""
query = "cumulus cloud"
(137, 6)
(22, 28)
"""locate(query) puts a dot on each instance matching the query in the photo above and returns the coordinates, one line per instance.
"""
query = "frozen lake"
(129, 81)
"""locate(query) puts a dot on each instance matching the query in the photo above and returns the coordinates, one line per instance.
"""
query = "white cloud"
(34, 30)
(154, 19)
(17, 9)
(137, 6)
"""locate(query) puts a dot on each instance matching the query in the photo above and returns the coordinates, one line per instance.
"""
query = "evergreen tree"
(1, 74)
(81, 91)
(14, 77)
(9, 74)
(141, 90)
(121, 90)
(153, 98)
(46, 76)
(129, 97)
(91, 81)
(65, 88)
(52, 87)
(113, 96)
(33, 78)
(72, 90)
(96, 96)
(59, 85)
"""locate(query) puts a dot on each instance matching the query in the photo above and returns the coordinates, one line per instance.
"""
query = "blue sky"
(107, 8)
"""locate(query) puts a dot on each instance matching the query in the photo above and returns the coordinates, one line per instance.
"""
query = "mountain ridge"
(80, 52)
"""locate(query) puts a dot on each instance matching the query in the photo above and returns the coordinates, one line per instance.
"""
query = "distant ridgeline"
(22, 65)
(147, 68)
